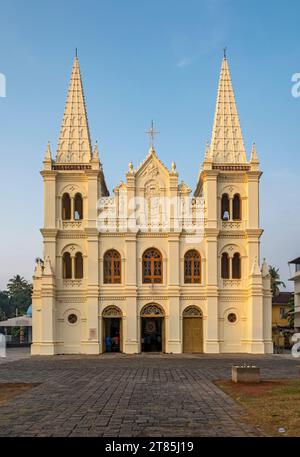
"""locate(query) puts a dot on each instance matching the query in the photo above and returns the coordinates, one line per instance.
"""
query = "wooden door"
(192, 334)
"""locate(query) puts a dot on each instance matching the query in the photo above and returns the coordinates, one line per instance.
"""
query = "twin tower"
(152, 267)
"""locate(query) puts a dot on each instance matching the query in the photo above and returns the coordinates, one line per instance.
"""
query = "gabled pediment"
(152, 167)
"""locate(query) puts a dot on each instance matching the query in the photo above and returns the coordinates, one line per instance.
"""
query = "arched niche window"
(67, 266)
(225, 209)
(152, 267)
(225, 265)
(66, 207)
(78, 265)
(236, 266)
(112, 267)
(192, 267)
(236, 207)
(78, 207)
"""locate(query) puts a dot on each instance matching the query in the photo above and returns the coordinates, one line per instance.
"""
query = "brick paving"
(123, 395)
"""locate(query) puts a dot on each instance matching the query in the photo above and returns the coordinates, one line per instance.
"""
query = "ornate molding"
(192, 311)
(70, 234)
(62, 300)
(153, 297)
(110, 297)
(111, 311)
(232, 225)
(152, 310)
(195, 297)
(72, 283)
(232, 283)
(72, 225)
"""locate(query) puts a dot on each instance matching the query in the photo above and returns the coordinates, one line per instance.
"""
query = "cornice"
(52, 232)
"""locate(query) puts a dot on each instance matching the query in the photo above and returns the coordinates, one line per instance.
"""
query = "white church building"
(153, 266)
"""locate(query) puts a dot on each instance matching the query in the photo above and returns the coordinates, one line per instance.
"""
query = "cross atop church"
(152, 132)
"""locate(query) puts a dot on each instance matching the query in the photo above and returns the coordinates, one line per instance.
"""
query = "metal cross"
(152, 132)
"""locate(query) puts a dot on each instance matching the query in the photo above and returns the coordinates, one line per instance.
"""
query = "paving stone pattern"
(123, 395)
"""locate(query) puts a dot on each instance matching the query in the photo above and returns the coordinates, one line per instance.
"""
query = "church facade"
(152, 267)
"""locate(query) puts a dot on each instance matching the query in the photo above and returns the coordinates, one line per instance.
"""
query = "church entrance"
(112, 329)
(192, 330)
(152, 329)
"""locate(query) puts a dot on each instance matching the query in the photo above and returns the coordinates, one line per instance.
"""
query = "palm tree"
(291, 312)
(276, 282)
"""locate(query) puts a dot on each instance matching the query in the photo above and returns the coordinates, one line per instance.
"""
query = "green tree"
(19, 292)
(4, 305)
(276, 282)
(291, 312)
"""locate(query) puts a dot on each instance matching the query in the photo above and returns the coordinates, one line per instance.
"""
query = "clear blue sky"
(144, 60)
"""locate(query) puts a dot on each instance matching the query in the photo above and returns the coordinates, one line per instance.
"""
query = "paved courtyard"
(123, 395)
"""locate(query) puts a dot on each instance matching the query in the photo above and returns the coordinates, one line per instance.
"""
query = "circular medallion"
(72, 318)
(150, 326)
(232, 317)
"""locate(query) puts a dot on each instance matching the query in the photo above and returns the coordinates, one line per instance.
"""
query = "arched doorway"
(192, 330)
(152, 328)
(112, 329)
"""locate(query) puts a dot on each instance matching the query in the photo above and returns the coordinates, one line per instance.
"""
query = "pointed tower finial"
(47, 267)
(253, 157)
(224, 52)
(96, 151)
(130, 168)
(74, 145)
(38, 271)
(255, 270)
(227, 145)
(265, 269)
(48, 155)
(76, 53)
(207, 151)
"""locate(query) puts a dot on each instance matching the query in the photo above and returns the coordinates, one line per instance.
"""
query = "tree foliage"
(17, 296)
(291, 312)
(276, 282)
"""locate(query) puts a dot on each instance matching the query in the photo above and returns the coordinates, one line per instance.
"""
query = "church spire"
(74, 143)
(227, 144)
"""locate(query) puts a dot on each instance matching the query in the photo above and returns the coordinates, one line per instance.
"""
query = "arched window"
(192, 267)
(78, 265)
(225, 265)
(236, 207)
(78, 207)
(152, 267)
(236, 266)
(66, 207)
(112, 267)
(67, 266)
(225, 214)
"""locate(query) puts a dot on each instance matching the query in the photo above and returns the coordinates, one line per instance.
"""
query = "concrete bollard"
(245, 373)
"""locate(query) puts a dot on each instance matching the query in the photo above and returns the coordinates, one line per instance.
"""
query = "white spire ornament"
(47, 267)
(48, 155)
(227, 144)
(96, 152)
(265, 269)
(74, 145)
(130, 168)
(255, 270)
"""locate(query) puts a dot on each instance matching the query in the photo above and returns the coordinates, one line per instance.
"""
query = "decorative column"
(230, 209)
(72, 209)
(255, 311)
(211, 344)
